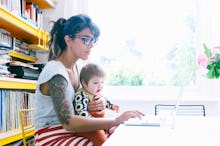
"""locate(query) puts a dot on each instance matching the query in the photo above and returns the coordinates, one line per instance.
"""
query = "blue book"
(3, 105)
(0, 110)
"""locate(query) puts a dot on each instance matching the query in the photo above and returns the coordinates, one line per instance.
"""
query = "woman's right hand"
(97, 105)
(128, 115)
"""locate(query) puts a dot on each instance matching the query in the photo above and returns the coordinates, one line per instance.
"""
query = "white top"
(44, 112)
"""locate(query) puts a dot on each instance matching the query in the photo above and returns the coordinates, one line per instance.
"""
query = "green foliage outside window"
(125, 77)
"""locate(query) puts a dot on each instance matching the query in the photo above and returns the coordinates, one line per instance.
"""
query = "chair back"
(27, 126)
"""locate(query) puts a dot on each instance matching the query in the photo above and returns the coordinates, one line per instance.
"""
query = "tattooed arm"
(63, 107)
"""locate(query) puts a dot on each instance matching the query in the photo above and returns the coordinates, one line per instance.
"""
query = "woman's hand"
(98, 105)
(128, 115)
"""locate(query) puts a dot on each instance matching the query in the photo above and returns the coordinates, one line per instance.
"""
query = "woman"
(54, 118)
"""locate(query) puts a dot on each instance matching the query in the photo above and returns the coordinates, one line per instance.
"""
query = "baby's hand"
(115, 108)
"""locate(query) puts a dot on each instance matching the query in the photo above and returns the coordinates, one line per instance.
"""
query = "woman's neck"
(67, 62)
(72, 70)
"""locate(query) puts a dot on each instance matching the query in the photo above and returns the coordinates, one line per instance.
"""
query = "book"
(3, 128)
(23, 8)
(0, 110)
(31, 10)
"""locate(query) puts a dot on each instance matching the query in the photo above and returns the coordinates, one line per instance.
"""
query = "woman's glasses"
(87, 40)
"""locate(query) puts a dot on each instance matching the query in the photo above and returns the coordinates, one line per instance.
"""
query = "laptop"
(148, 120)
(151, 120)
(179, 98)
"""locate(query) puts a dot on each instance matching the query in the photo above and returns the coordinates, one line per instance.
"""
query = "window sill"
(157, 94)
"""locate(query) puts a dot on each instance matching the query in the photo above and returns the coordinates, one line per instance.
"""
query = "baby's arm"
(111, 106)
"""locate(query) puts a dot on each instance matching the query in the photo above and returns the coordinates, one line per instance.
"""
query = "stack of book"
(24, 70)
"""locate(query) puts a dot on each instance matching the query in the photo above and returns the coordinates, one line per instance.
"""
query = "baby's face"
(95, 85)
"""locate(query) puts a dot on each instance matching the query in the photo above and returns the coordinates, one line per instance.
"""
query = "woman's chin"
(84, 58)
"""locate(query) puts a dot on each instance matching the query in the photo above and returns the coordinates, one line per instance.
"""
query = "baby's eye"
(95, 83)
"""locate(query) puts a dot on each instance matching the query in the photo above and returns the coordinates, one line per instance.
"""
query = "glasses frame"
(87, 40)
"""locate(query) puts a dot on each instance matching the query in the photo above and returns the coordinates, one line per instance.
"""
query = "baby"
(92, 79)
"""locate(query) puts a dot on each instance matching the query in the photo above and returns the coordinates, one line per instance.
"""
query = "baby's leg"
(97, 137)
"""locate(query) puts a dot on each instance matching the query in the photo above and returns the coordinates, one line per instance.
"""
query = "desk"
(188, 131)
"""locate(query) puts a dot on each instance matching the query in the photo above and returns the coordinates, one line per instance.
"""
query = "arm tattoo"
(63, 108)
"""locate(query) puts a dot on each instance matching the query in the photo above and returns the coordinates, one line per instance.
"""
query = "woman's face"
(95, 85)
(81, 45)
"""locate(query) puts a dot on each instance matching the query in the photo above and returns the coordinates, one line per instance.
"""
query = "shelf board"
(37, 47)
(22, 56)
(44, 4)
(14, 135)
(21, 29)
(14, 83)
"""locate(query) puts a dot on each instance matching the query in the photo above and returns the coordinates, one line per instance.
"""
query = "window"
(152, 43)
(146, 43)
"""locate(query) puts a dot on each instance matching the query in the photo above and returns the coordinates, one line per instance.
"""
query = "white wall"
(66, 9)
(62, 10)
(212, 107)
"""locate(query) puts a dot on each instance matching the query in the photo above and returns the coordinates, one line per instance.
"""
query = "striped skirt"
(58, 136)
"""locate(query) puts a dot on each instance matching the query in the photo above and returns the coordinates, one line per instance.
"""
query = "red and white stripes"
(58, 136)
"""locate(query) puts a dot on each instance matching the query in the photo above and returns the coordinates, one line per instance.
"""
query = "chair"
(182, 110)
(27, 126)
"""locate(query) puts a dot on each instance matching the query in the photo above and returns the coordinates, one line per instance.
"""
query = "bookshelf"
(37, 37)
(22, 29)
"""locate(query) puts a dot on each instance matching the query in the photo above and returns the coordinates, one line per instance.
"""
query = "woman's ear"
(67, 39)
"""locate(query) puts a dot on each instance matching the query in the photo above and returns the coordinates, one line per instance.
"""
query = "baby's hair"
(90, 70)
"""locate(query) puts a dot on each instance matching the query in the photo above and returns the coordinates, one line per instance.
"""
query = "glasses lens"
(87, 40)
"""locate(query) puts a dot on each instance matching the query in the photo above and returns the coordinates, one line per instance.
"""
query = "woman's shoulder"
(54, 63)
(52, 68)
